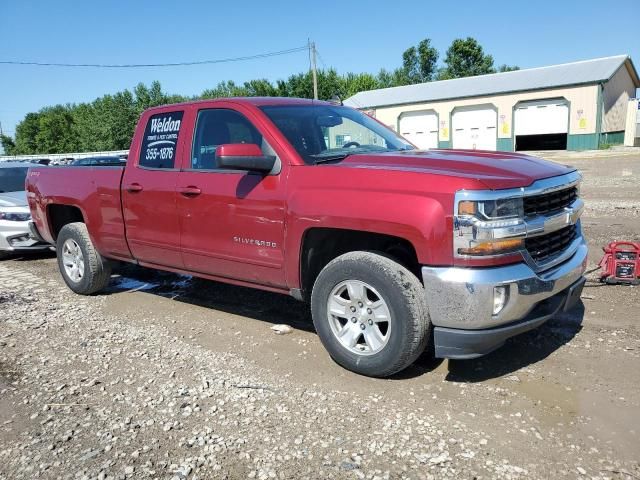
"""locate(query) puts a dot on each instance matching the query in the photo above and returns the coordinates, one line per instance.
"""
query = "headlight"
(14, 216)
(488, 227)
(492, 209)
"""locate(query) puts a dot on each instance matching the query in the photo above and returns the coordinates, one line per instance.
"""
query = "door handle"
(190, 191)
(134, 188)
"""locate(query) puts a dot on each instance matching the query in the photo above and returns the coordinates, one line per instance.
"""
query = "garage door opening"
(549, 141)
(541, 125)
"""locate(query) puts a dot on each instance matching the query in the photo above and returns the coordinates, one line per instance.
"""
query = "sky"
(357, 36)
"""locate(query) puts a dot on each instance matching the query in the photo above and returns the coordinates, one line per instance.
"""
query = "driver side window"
(216, 127)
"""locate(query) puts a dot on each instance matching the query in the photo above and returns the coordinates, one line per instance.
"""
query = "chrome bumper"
(462, 298)
(461, 344)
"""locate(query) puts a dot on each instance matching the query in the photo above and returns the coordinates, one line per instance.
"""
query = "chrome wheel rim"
(73, 260)
(359, 317)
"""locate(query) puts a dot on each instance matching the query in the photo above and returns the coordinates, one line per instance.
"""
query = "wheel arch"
(59, 215)
(320, 245)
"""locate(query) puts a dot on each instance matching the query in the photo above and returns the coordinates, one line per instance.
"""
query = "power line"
(146, 65)
(321, 59)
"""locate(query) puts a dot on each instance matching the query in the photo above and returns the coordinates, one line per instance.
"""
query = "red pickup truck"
(397, 250)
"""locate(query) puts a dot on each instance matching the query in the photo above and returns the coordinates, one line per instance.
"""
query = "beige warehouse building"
(574, 106)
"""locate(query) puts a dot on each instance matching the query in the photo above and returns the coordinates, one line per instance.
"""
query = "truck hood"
(13, 199)
(496, 170)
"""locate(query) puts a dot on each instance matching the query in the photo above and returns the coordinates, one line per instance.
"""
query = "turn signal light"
(493, 247)
(466, 207)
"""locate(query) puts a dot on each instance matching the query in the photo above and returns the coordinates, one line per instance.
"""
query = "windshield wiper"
(332, 158)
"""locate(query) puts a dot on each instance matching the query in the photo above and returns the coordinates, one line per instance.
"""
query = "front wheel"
(370, 313)
(83, 269)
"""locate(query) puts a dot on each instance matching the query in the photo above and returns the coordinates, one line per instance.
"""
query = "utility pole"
(312, 57)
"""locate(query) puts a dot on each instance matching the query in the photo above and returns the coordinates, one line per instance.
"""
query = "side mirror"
(243, 156)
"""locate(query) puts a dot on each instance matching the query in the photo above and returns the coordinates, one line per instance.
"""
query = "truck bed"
(93, 191)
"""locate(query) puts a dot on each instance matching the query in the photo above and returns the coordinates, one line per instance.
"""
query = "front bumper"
(460, 302)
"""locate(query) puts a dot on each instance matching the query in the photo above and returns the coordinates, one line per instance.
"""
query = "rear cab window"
(160, 140)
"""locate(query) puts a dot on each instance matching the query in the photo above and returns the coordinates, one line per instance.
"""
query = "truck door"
(149, 191)
(232, 221)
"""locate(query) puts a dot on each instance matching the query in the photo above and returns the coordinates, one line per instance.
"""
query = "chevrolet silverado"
(397, 250)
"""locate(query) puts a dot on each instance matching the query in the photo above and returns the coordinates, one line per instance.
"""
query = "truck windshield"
(12, 179)
(322, 133)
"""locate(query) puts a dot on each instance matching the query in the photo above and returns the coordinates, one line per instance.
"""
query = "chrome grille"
(547, 203)
(545, 247)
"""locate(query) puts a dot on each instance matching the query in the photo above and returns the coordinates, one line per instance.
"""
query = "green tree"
(330, 85)
(466, 58)
(300, 85)
(122, 119)
(427, 60)
(419, 64)
(353, 83)
(8, 145)
(395, 78)
(507, 68)
(55, 132)
(26, 132)
(225, 90)
(260, 88)
(86, 126)
(108, 122)
(410, 65)
(149, 97)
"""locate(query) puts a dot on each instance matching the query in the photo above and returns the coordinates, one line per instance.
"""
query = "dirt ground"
(165, 376)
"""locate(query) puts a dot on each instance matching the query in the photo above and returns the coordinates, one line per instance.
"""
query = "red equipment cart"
(621, 263)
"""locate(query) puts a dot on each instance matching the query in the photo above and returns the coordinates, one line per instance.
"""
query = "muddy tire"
(83, 269)
(370, 313)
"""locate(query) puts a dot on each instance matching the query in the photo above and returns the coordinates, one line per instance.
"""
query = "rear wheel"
(370, 313)
(83, 269)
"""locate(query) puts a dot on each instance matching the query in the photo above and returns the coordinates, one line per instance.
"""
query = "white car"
(15, 236)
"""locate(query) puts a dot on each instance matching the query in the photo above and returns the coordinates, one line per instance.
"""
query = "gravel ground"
(171, 377)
